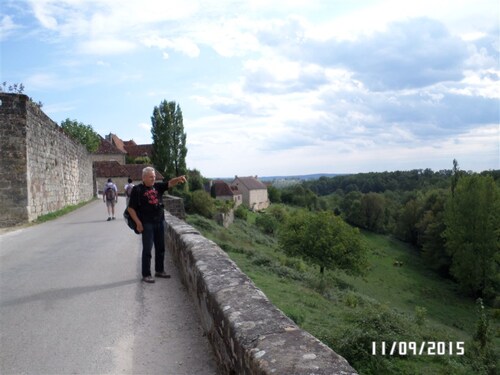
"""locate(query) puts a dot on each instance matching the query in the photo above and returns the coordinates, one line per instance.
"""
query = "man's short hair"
(147, 170)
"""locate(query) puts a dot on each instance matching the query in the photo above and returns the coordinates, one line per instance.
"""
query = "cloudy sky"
(272, 87)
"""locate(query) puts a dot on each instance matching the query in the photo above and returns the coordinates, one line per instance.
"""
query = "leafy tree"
(351, 208)
(472, 218)
(373, 209)
(84, 134)
(408, 217)
(142, 160)
(297, 195)
(323, 239)
(431, 228)
(195, 180)
(278, 211)
(455, 176)
(169, 140)
(274, 194)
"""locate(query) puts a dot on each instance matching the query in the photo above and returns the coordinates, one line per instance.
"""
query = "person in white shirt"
(110, 197)
(128, 189)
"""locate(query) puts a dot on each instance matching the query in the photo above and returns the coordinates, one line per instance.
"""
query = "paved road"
(72, 302)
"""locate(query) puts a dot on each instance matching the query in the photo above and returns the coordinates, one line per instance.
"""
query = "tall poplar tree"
(169, 140)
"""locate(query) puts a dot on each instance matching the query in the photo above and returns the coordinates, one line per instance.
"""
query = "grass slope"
(390, 303)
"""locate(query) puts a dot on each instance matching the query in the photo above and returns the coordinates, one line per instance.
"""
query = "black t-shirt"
(147, 201)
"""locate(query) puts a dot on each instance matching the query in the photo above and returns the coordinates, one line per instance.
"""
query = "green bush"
(266, 223)
(202, 203)
(374, 324)
(278, 212)
(241, 212)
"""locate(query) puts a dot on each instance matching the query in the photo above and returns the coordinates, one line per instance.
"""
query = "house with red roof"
(223, 191)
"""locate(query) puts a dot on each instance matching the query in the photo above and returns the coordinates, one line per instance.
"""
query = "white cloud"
(44, 12)
(183, 45)
(106, 47)
(7, 26)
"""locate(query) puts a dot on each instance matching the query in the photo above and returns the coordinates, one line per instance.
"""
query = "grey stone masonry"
(13, 169)
(248, 333)
(174, 205)
(42, 170)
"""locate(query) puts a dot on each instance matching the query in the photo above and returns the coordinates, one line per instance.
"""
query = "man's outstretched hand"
(177, 180)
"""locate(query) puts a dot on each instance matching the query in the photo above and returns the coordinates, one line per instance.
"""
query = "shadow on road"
(58, 294)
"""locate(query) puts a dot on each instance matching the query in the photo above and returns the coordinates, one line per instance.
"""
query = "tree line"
(452, 217)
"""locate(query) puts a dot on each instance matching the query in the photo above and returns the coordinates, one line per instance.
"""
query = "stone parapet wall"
(248, 333)
(174, 205)
(42, 169)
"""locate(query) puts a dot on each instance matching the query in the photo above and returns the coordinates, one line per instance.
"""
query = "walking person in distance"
(110, 197)
(128, 189)
(146, 209)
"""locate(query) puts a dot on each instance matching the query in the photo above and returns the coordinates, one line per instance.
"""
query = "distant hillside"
(305, 177)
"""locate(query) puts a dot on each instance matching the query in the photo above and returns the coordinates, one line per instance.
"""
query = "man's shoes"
(148, 279)
(113, 218)
(162, 274)
(109, 219)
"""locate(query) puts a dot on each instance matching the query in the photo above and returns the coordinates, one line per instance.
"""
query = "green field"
(403, 303)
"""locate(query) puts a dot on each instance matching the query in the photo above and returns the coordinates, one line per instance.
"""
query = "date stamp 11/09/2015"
(431, 348)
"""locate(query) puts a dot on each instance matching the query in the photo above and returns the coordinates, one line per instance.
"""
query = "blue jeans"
(153, 233)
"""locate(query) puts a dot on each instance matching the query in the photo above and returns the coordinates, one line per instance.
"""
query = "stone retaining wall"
(248, 333)
(42, 170)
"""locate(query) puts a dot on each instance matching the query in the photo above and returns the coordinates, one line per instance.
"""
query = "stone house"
(223, 191)
(253, 191)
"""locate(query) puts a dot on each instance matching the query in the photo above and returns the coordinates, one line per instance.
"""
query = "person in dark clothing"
(146, 209)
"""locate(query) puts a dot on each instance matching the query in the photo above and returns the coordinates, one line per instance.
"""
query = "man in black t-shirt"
(146, 209)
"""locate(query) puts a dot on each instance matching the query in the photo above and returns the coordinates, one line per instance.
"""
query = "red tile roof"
(251, 183)
(129, 143)
(136, 151)
(114, 169)
(221, 189)
(117, 142)
(134, 171)
(106, 147)
(109, 169)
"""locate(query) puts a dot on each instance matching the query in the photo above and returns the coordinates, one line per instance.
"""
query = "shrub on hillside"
(266, 223)
(241, 212)
(278, 212)
(202, 203)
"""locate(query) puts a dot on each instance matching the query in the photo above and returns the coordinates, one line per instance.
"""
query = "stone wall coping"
(248, 333)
